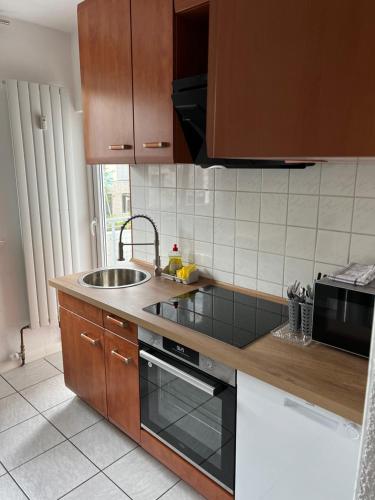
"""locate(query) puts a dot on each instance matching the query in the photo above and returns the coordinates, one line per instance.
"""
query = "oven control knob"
(149, 364)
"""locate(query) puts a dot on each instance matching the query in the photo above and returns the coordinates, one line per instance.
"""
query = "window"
(126, 203)
(112, 207)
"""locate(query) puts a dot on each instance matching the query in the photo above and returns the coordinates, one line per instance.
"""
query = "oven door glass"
(189, 411)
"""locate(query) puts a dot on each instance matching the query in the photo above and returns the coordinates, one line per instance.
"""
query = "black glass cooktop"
(228, 316)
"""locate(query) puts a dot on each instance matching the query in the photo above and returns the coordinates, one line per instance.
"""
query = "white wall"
(33, 53)
(260, 229)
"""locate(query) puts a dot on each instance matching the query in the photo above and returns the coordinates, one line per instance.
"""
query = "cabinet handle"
(125, 360)
(88, 339)
(155, 145)
(119, 147)
(119, 322)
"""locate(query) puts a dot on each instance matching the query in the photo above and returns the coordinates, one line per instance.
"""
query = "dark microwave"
(343, 315)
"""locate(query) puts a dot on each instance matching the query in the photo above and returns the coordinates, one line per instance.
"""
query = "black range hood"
(189, 100)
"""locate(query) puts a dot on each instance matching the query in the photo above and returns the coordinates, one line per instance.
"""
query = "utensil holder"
(306, 320)
(294, 315)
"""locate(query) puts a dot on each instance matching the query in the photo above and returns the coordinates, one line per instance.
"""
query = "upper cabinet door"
(152, 46)
(291, 79)
(106, 71)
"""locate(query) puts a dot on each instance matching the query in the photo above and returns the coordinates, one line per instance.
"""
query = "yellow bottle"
(175, 260)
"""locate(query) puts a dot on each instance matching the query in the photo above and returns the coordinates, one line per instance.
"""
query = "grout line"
(78, 486)
(12, 478)
(317, 221)
(36, 383)
(352, 218)
(286, 231)
(18, 423)
(160, 497)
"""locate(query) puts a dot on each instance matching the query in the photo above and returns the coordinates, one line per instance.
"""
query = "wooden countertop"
(321, 375)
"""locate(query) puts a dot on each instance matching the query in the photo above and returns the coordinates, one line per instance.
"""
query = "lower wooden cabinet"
(83, 356)
(102, 368)
(121, 360)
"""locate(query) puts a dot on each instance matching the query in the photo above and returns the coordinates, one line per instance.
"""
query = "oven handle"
(212, 390)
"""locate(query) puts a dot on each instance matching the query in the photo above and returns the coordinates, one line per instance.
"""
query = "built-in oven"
(188, 402)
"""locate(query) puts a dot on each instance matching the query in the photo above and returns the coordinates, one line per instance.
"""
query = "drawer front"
(120, 326)
(81, 308)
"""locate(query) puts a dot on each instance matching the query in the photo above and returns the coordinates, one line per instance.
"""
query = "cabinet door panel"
(123, 384)
(291, 79)
(152, 46)
(83, 355)
(106, 71)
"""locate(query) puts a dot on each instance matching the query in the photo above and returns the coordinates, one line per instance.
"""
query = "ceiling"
(57, 14)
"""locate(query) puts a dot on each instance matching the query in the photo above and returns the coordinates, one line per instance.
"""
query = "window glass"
(116, 192)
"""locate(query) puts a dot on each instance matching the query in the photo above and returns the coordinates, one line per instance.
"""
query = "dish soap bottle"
(175, 260)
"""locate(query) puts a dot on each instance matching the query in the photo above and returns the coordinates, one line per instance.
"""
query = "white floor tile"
(97, 488)
(30, 374)
(181, 491)
(48, 393)
(72, 416)
(13, 410)
(27, 440)
(2, 470)
(5, 388)
(54, 473)
(9, 490)
(56, 360)
(141, 476)
(103, 444)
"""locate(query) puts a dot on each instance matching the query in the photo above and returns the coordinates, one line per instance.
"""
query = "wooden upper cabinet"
(152, 47)
(291, 79)
(106, 72)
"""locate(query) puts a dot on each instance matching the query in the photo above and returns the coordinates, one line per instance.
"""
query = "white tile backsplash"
(335, 213)
(259, 229)
(249, 180)
(272, 238)
(168, 176)
(224, 231)
(185, 201)
(302, 210)
(185, 176)
(364, 216)
(273, 208)
(247, 234)
(204, 229)
(225, 204)
(275, 180)
(332, 247)
(248, 206)
(168, 199)
(224, 258)
(338, 179)
(365, 178)
(225, 179)
(300, 242)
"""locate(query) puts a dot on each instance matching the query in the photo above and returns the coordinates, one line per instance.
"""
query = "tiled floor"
(52, 446)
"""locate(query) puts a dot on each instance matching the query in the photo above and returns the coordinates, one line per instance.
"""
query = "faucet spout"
(156, 243)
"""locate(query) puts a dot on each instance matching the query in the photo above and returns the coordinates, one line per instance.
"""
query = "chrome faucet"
(157, 269)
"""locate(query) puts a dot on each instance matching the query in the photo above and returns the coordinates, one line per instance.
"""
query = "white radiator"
(45, 184)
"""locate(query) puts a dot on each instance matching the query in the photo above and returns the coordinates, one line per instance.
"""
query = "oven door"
(189, 411)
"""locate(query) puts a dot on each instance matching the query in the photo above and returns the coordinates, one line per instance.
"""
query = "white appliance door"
(287, 449)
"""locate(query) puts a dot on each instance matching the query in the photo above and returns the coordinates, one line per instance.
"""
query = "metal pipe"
(23, 350)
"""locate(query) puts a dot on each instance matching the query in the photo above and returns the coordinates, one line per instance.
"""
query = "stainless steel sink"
(114, 277)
